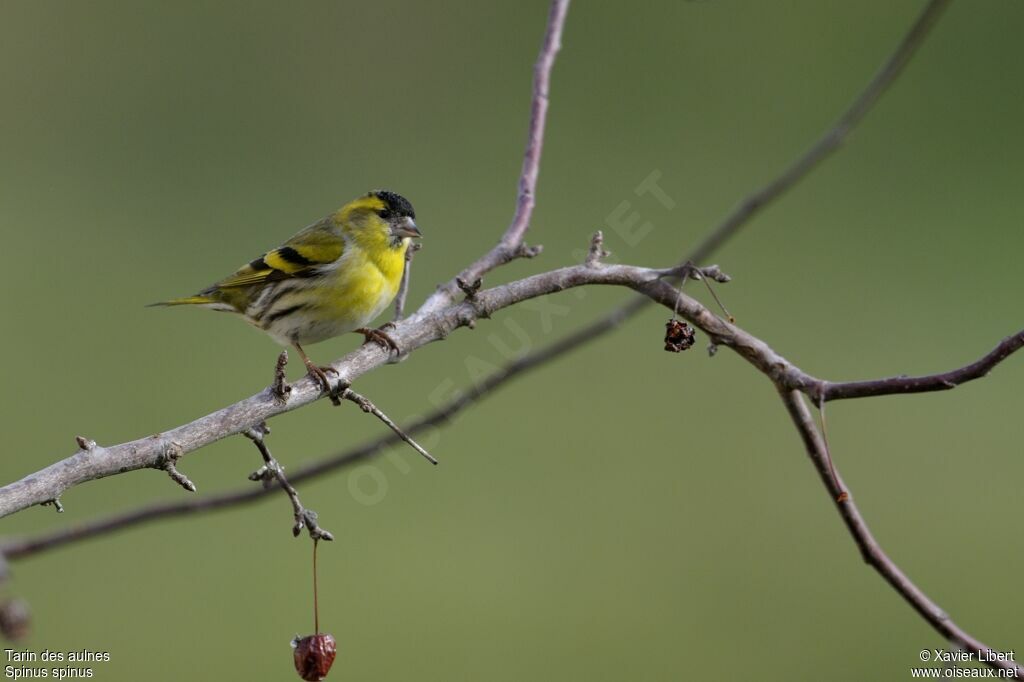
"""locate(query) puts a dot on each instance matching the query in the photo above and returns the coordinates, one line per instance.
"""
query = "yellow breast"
(364, 283)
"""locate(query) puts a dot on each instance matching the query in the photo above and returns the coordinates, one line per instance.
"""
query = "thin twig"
(870, 549)
(178, 477)
(944, 381)
(168, 462)
(538, 118)
(511, 246)
(272, 470)
(403, 288)
(366, 406)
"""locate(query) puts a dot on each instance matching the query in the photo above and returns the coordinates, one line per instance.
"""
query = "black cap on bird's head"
(398, 212)
(395, 204)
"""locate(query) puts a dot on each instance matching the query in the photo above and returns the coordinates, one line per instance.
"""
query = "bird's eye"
(384, 213)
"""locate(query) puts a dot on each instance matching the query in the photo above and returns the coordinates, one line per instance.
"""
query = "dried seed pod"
(678, 336)
(314, 655)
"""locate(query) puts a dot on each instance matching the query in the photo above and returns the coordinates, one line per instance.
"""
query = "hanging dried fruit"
(679, 336)
(314, 655)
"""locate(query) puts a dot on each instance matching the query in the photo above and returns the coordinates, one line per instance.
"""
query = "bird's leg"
(318, 373)
(380, 337)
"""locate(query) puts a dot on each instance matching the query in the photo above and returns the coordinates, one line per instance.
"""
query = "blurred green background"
(625, 514)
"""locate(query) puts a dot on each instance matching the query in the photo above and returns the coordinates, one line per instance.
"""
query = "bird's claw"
(320, 375)
(380, 337)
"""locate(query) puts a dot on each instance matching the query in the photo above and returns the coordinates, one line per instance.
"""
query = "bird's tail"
(188, 300)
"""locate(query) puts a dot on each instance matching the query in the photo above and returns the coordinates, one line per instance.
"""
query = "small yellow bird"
(333, 277)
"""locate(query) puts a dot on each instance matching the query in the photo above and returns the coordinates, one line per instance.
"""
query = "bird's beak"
(406, 228)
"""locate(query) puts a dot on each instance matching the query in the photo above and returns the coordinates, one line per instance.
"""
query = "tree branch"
(19, 548)
(411, 333)
(870, 550)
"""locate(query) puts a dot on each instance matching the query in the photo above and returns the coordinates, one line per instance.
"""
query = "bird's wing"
(300, 256)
